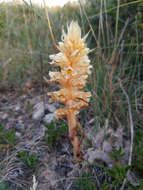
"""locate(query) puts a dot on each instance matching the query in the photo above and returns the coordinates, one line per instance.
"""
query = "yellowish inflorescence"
(74, 64)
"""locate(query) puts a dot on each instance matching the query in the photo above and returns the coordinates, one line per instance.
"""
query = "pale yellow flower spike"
(75, 67)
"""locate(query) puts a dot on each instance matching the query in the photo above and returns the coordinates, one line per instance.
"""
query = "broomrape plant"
(74, 65)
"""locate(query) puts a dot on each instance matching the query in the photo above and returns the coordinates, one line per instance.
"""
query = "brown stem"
(73, 133)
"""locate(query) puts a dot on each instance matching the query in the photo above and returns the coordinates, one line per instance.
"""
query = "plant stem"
(73, 134)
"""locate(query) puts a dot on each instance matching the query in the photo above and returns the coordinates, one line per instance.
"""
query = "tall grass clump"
(116, 54)
(25, 48)
(116, 81)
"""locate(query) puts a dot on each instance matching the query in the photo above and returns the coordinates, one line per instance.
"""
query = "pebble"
(51, 108)
(49, 118)
(19, 127)
(17, 108)
(4, 116)
(18, 134)
(40, 109)
(4, 100)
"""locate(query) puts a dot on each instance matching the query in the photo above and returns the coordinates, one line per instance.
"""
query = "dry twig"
(131, 131)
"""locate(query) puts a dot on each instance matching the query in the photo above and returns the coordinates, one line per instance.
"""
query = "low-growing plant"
(55, 130)
(141, 185)
(118, 172)
(7, 138)
(3, 186)
(117, 155)
(85, 183)
(138, 153)
(30, 160)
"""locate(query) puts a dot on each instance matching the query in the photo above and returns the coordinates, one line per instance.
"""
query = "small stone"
(50, 107)
(4, 100)
(19, 127)
(97, 155)
(20, 120)
(38, 111)
(49, 118)
(4, 116)
(107, 147)
(37, 115)
(17, 108)
(18, 134)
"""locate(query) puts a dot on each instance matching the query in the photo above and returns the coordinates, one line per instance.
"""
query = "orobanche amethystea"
(74, 69)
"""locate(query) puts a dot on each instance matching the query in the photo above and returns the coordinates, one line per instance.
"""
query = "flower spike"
(74, 65)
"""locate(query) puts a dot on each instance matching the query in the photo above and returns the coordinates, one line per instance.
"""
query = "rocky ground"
(27, 114)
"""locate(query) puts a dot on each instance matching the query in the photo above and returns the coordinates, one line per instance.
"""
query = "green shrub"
(30, 160)
(3, 186)
(54, 132)
(85, 183)
(7, 139)
(138, 153)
